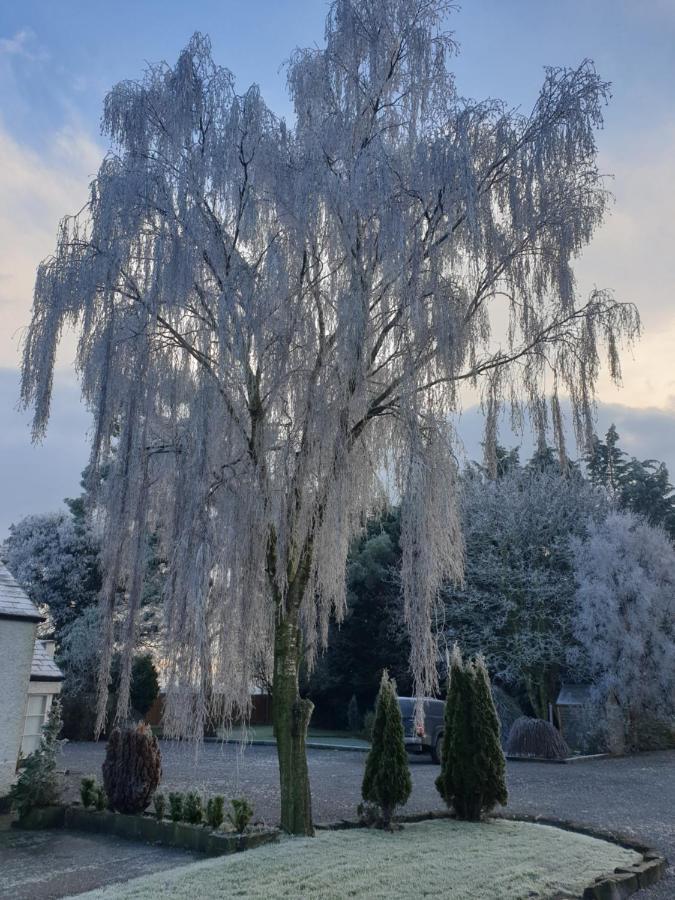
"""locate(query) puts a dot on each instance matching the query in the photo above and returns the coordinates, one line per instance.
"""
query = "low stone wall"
(146, 828)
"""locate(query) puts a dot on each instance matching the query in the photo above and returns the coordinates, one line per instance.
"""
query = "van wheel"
(437, 750)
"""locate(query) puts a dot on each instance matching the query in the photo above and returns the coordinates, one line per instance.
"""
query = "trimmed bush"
(192, 808)
(176, 806)
(386, 781)
(159, 805)
(100, 799)
(215, 811)
(472, 778)
(132, 768)
(240, 815)
(88, 791)
(536, 738)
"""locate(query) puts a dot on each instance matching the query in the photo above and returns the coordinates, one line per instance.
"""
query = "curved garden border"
(617, 885)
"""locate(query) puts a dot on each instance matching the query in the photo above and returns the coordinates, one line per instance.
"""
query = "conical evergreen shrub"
(472, 778)
(132, 768)
(386, 781)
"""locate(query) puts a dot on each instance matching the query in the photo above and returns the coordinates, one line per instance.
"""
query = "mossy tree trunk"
(290, 715)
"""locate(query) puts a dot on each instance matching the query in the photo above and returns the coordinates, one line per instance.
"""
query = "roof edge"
(23, 617)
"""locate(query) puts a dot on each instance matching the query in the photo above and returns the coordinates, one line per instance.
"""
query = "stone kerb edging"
(621, 883)
(146, 828)
(624, 880)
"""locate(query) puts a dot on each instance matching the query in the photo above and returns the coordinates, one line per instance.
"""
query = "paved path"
(41, 865)
(634, 795)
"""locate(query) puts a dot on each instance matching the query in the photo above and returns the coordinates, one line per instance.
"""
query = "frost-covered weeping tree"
(270, 316)
(625, 618)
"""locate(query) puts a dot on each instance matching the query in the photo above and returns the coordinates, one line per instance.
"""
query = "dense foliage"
(473, 770)
(372, 636)
(38, 783)
(240, 814)
(642, 487)
(517, 604)
(273, 314)
(215, 811)
(132, 768)
(625, 618)
(386, 781)
(55, 559)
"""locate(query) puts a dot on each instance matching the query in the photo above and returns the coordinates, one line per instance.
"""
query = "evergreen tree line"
(519, 605)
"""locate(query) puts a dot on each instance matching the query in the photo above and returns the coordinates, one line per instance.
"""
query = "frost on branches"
(517, 603)
(273, 316)
(625, 620)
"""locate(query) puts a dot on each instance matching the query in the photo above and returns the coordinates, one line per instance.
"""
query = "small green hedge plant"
(100, 798)
(176, 806)
(159, 805)
(240, 814)
(88, 791)
(215, 811)
(192, 808)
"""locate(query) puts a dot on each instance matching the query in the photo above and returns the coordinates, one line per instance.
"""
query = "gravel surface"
(632, 795)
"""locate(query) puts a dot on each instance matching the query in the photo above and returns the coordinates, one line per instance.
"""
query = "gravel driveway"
(633, 795)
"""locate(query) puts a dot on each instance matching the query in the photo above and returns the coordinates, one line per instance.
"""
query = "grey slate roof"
(574, 695)
(44, 668)
(14, 602)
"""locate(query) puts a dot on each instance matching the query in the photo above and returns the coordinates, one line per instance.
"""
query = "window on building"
(36, 713)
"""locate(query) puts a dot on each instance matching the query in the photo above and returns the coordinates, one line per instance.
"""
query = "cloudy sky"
(58, 60)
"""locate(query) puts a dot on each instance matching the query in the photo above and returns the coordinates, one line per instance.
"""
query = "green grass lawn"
(265, 733)
(496, 860)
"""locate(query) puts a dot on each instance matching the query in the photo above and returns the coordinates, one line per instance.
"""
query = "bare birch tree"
(273, 316)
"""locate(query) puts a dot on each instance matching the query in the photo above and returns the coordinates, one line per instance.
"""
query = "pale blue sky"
(74, 50)
(58, 60)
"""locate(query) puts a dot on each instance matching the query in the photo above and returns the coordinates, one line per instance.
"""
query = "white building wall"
(17, 640)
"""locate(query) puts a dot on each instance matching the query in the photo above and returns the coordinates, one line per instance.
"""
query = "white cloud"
(36, 191)
(632, 254)
(24, 44)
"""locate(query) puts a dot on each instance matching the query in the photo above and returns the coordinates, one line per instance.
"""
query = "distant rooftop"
(44, 668)
(14, 601)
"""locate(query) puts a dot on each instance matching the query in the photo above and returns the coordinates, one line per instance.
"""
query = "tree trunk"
(291, 714)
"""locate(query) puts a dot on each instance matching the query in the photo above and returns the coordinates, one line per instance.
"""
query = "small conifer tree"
(386, 781)
(472, 778)
(487, 729)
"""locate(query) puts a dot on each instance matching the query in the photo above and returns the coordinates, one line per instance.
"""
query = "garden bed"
(498, 859)
(148, 829)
